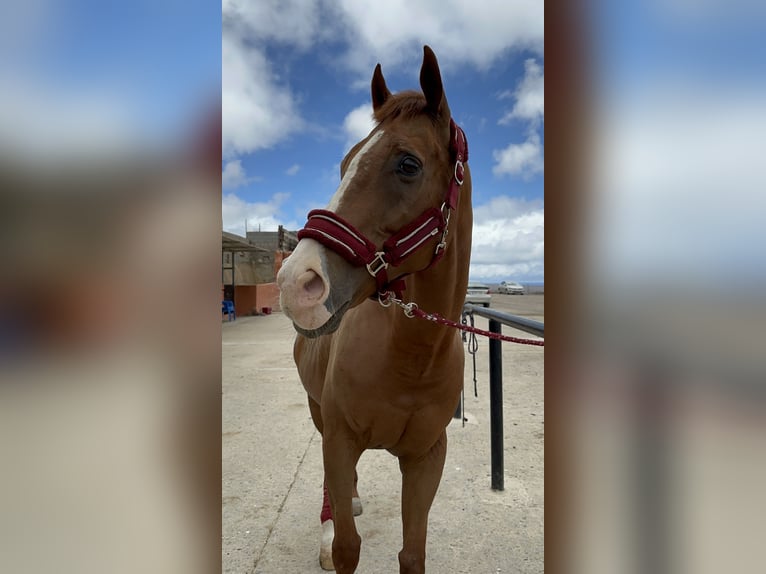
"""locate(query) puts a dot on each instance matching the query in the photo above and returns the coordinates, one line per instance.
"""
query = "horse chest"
(400, 407)
(406, 381)
(400, 428)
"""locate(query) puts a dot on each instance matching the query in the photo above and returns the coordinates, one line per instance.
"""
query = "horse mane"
(408, 104)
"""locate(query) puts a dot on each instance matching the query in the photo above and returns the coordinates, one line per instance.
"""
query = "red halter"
(337, 234)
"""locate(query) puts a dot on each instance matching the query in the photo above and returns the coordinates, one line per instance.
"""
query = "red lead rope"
(412, 310)
(435, 317)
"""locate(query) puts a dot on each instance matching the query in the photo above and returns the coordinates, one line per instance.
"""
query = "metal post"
(496, 406)
(459, 410)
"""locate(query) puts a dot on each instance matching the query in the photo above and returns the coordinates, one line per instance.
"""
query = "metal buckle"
(459, 179)
(443, 241)
(409, 309)
(385, 299)
(379, 262)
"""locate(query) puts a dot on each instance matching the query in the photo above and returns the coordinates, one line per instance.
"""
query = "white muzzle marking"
(303, 286)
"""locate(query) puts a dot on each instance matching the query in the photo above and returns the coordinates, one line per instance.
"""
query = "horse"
(376, 378)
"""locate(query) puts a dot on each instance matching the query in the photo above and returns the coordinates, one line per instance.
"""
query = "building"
(249, 267)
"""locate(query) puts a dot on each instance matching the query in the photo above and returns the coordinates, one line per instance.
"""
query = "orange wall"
(251, 299)
(268, 296)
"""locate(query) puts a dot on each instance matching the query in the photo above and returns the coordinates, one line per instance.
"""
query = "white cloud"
(525, 159)
(260, 110)
(678, 184)
(529, 96)
(458, 31)
(42, 122)
(233, 175)
(294, 22)
(235, 211)
(357, 125)
(508, 240)
(293, 169)
(257, 112)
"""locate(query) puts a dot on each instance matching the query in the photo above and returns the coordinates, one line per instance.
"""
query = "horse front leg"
(328, 525)
(340, 454)
(420, 481)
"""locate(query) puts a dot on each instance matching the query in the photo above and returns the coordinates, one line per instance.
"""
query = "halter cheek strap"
(337, 234)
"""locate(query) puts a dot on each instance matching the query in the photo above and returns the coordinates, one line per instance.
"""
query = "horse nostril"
(313, 286)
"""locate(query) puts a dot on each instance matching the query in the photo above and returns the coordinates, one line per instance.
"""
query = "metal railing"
(496, 321)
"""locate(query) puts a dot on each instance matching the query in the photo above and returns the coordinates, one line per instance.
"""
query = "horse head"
(389, 216)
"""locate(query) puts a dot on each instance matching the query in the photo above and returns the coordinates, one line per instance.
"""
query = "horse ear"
(431, 84)
(379, 90)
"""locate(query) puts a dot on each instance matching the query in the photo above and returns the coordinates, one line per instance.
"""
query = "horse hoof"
(356, 505)
(325, 549)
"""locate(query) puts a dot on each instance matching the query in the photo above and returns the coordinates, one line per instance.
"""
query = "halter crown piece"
(339, 235)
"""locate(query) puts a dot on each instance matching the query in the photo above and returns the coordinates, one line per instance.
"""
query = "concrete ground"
(272, 465)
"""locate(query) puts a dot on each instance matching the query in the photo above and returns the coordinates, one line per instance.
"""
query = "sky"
(81, 77)
(295, 98)
(680, 102)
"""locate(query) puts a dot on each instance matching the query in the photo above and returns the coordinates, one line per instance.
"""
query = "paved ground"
(272, 467)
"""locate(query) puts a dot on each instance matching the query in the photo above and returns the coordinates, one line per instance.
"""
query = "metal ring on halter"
(409, 310)
(443, 241)
(459, 178)
(384, 302)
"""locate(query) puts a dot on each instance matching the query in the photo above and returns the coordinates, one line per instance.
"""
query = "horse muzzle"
(307, 297)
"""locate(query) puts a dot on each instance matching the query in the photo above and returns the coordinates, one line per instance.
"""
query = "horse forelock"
(408, 104)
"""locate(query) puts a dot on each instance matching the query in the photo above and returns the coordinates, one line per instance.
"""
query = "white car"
(511, 288)
(478, 294)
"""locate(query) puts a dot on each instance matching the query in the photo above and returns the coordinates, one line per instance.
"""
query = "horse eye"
(409, 166)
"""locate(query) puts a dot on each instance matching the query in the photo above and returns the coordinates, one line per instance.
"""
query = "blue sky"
(296, 96)
(84, 79)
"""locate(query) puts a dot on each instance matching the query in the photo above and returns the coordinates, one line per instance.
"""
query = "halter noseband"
(339, 235)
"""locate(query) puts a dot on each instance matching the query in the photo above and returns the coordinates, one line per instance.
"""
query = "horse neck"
(442, 288)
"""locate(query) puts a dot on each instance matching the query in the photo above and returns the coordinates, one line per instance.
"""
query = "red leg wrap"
(326, 509)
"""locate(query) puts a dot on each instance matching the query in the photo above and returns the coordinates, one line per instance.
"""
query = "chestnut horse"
(400, 222)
